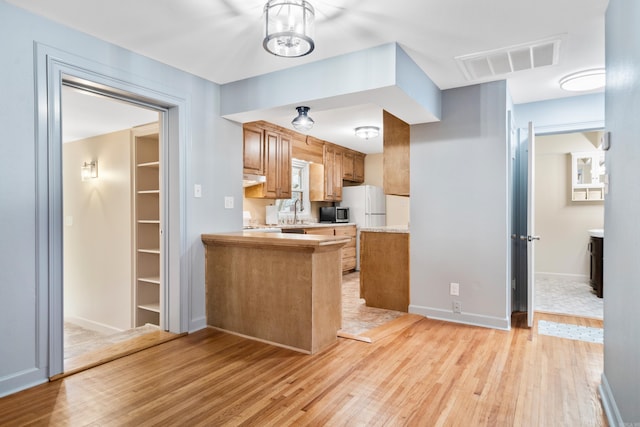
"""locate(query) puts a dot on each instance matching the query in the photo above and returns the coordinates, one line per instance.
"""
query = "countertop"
(387, 229)
(275, 228)
(253, 238)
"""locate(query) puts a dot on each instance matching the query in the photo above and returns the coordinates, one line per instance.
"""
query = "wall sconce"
(89, 170)
(366, 132)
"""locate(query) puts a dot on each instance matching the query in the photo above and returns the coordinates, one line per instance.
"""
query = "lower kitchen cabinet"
(595, 277)
(348, 250)
(384, 270)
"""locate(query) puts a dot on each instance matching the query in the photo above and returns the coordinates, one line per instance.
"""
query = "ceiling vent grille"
(499, 62)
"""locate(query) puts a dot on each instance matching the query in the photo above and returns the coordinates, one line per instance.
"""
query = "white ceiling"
(221, 40)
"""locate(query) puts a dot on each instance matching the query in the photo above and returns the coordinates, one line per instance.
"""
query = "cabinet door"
(358, 168)
(347, 165)
(284, 168)
(329, 174)
(253, 155)
(271, 165)
(337, 174)
(395, 157)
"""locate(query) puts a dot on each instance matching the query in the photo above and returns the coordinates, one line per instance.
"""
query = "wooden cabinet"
(147, 246)
(596, 245)
(348, 250)
(353, 166)
(384, 270)
(395, 156)
(308, 148)
(332, 173)
(276, 146)
(253, 150)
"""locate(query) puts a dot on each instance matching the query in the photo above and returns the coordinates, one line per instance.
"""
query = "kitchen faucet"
(295, 211)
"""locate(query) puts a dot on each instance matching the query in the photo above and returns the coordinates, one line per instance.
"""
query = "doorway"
(99, 211)
(564, 220)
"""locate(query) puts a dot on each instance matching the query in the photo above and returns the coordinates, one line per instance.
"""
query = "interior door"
(531, 236)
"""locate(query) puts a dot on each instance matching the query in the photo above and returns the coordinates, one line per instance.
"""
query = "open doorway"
(100, 207)
(564, 218)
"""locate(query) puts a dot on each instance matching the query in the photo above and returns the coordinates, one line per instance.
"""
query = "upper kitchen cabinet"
(276, 148)
(353, 166)
(395, 157)
(308, 148)
(253, 149)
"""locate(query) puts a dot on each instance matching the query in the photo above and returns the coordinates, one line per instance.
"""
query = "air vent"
(500, 62)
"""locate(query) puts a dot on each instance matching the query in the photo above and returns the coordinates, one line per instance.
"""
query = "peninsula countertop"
(282, 240)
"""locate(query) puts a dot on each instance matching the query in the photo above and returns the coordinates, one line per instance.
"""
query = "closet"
(147, 246)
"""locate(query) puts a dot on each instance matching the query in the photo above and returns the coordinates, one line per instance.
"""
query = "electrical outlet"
(197, 191)
(454, 289)
(457, 307)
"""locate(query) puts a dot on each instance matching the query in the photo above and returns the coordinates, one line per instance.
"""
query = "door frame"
(53, 69)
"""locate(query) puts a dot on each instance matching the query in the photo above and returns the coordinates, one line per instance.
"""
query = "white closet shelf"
(148, 221)
(154, 280)
(149, 192)
(149, 165)
(154, 306)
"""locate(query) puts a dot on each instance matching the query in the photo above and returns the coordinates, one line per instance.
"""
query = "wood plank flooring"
(417, 371)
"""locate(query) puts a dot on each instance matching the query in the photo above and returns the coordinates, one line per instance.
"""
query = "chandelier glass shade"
(302, 121)
(289, 26)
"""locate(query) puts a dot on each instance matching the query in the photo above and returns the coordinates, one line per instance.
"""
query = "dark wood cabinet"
(595, 277)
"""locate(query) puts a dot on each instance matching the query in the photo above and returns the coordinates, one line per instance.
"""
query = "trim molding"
(562, 275)
(609, 404)
(464, 318)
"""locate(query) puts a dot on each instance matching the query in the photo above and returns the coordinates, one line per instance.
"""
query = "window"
(299, 192)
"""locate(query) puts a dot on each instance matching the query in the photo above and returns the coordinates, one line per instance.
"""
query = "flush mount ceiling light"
(302, 121)
(288, 28)
(366, 132)
(584, 80)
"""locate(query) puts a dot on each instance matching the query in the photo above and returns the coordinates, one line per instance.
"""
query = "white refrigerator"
(367, 208)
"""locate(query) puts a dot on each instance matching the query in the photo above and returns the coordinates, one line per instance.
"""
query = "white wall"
(621, 379)
(562, 223)
(459, 208)
(210, 152)
(97, 232)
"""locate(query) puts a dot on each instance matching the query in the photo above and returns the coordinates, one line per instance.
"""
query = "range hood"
(249, 180)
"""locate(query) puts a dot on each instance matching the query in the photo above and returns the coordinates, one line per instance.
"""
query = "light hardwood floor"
(417, 372)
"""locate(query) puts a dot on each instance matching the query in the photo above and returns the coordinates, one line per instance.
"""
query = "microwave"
(334, 214)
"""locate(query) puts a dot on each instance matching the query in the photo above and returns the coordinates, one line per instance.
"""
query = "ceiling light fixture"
(584, 80)
(288, 28)
(302, 121)
(366, 132)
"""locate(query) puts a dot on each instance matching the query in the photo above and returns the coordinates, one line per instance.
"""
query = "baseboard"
(94, 326)
(609, 404)
(544, 274)
(197, 324)
(464, 318)
(23, 380)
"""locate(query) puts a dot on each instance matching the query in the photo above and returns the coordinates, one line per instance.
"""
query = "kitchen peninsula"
(283, 289)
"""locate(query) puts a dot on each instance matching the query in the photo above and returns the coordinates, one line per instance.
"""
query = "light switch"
(228, 202)
(197, 191)
(68, 220)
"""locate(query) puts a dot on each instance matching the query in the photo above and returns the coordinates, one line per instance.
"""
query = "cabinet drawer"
(346, 231)
(348, 252)
(327, 231)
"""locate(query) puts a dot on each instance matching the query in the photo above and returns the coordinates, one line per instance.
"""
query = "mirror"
(588, 175)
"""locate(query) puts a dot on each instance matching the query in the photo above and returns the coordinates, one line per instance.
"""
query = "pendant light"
(302, 121)
(289, 28)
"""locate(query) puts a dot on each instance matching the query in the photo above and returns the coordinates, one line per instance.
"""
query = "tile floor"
(564, 295)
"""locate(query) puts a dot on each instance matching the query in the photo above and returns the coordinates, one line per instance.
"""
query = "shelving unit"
(587, 176)
(147, 248)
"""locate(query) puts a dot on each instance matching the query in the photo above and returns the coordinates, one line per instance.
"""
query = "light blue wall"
(460, 206)
(621, 379)
(213, 155)
(572, 114)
